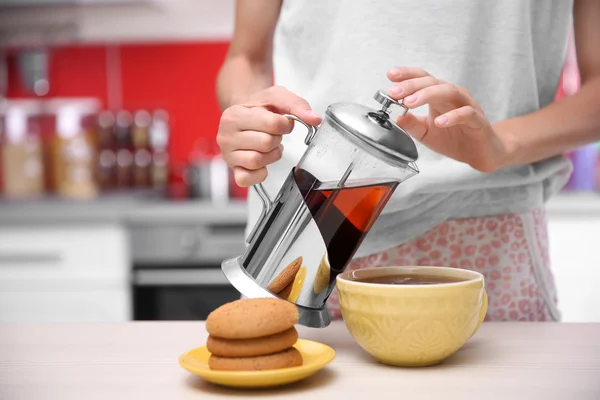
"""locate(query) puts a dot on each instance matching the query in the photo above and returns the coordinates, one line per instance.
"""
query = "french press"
(310, 231)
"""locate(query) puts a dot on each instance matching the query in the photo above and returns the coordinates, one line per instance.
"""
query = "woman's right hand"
(250, 134)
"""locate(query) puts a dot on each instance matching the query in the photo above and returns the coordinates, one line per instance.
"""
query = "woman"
(479, 79)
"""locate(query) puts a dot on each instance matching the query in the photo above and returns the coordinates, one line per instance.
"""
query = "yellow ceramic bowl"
(412, 325)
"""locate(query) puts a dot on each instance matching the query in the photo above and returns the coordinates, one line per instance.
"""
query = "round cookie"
(252, 347)
(251, 318)
(285, 277)
(284, 359)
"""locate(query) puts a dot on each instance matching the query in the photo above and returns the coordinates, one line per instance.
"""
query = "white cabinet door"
(64, 273)
(91, 305)
(575, 258)
(63, 254)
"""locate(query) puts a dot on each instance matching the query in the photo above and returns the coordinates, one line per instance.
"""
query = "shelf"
(135, 210)
(45, 3)
(576, 204)
(120, 209)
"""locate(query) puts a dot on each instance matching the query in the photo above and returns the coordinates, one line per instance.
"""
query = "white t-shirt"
(509, 54)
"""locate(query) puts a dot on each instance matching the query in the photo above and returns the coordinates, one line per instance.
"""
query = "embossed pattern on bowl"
(412, 325)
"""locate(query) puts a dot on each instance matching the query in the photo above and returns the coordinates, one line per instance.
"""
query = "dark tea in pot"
(343, 215)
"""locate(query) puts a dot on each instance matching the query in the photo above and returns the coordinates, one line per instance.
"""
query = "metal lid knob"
(386, 101)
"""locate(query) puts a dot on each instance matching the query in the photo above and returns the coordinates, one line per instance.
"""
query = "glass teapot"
(309, 232)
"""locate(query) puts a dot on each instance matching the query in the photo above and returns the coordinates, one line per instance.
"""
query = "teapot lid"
(374, 131)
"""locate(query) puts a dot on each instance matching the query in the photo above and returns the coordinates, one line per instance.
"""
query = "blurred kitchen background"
(115, 204)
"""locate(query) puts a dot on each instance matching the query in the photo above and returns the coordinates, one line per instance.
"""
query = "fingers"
(251, 140)
(250, 135)
(253, 160)
(400, 74)
(444, 93)
(466, 115)
(238, 118)
(245, 177)
(416, 126)
(250, 167)
(410, 86)
(280, 100)
(416, 87)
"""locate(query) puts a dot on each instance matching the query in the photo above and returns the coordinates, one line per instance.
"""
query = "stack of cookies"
(253, 335)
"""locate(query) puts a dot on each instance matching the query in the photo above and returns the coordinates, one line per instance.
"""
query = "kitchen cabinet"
(180, 244)
(73, 262)
(575, 260)
(63, 254)
(97, 260)
(64, 273)
(87, 304)
(32, 3)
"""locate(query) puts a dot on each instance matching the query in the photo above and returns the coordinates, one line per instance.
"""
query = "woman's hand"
(456, 125)
(250, 134)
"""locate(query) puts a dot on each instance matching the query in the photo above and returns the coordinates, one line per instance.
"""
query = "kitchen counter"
(123, 209)
(139, 360)
(144, 207)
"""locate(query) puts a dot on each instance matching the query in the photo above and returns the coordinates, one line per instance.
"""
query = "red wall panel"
(78, 71)
(181, 79)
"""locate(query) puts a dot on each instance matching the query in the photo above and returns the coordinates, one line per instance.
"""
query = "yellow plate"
(315, 356)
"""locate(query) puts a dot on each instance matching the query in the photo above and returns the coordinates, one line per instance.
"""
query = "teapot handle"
(267, 203)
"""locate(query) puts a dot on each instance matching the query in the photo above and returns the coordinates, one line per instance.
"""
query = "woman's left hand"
(456, 125)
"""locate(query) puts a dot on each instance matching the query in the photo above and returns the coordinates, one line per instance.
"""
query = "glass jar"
(22, 162)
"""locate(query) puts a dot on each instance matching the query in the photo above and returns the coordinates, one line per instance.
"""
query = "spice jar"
(21, 154)
(124, 149)
(142, 158)
(159, 142)
(74, 154)
(106, 149)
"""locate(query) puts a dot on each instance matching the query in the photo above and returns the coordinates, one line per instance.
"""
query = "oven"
(177, 263)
